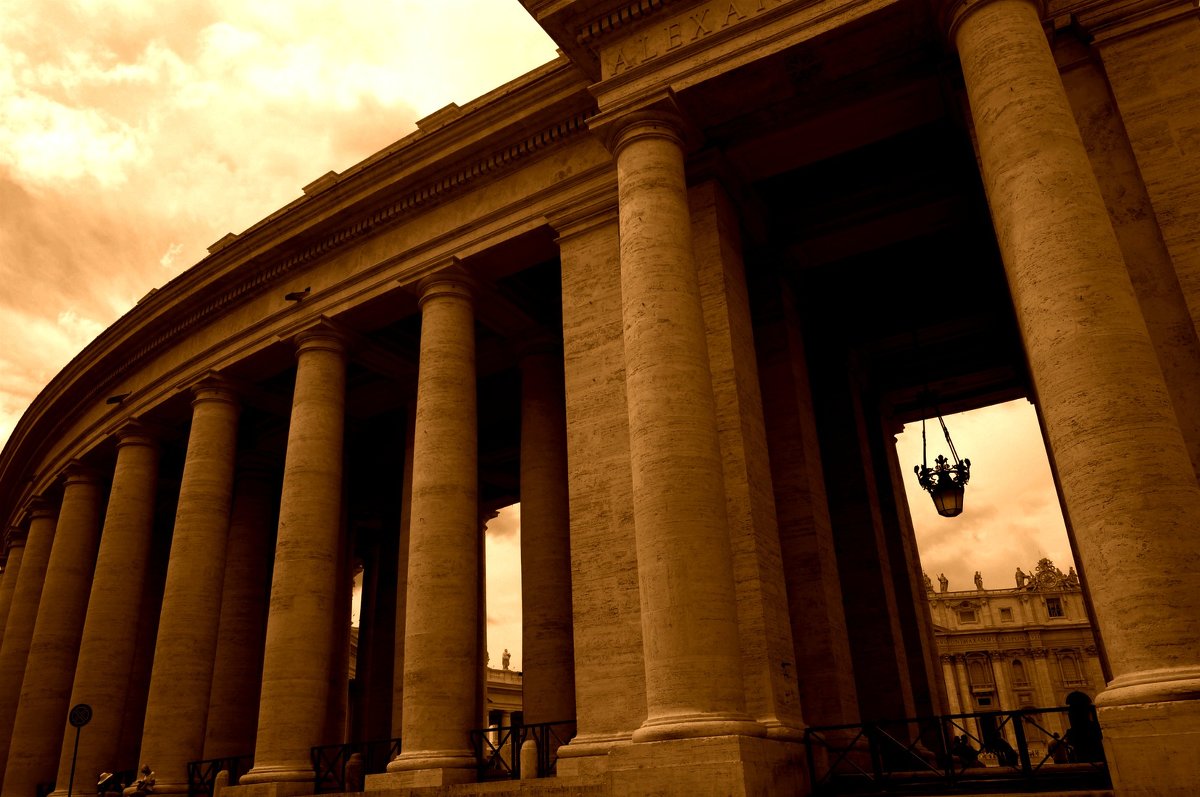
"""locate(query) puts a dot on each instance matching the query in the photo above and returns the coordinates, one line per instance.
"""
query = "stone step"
(542, 787)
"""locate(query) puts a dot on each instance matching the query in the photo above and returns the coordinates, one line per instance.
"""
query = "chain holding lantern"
(945, 482)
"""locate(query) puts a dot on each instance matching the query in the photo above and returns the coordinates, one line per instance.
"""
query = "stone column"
(548, 652)
(953, 706)
(22, 615)
(610, 694)
(54, 647)
(410, 414)
(295, 681)
(441, 659)
(181, 678)
(105, 652)
(689, 618)
(1124, 468)
(237, 668)
(14, 542)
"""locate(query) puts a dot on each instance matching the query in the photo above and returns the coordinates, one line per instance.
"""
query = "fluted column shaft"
(547, 646)
(295, 683)
(441, 656)
(8, 579)
(180, 680)
(54, 647)
(689, 621)
(237, 668)
(102, 673)
(1121, 459)
(22, 615)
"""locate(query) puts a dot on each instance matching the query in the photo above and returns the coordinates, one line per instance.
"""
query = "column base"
(1152, 748)
(282, 774)
(691, 726)
(426, 768)
(587, 754)
(277, 789)
(738, 766)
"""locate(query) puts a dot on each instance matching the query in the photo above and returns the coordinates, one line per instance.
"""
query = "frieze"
(674, 33)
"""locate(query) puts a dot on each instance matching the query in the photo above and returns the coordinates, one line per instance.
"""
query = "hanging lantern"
(945, 482)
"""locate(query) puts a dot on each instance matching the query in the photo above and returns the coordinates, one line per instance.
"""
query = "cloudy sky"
(135, 133)
(1011, 514)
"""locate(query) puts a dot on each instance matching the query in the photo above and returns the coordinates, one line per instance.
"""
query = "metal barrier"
(498, 750)
(330, 762)
(996, 751)
(202, 775)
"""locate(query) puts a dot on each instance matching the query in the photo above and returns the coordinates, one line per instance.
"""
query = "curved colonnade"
(556, 295)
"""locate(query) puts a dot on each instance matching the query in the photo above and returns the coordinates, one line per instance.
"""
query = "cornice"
(1106, 21)
(600, 26)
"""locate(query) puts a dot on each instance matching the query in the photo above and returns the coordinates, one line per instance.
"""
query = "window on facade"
(1054, 607)
(1018, 670)
(1006, 615)
(967, 616)
(1025, 698)
(977, 673)
(1069, 665)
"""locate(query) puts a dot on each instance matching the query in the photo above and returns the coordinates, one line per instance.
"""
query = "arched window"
(977, 673)
(1018, 672)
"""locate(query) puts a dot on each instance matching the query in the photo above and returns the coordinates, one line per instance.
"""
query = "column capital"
(951, 13)
(39, 507)
(656, 117)
(78, 472)
(320, 333)
(135, 432)
(14, 537)
(212, 387)
(450, 282)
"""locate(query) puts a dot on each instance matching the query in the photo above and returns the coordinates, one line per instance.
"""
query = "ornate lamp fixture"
(946, 483)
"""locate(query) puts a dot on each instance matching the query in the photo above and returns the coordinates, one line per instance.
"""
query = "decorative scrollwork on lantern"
(945, 481)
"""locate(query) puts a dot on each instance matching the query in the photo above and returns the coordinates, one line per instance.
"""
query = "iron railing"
(202, 775)
(996, 751)
(498, 750)
(330, 763)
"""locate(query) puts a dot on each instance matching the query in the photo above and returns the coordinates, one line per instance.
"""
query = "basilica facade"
(1017, 648)
(675, 292)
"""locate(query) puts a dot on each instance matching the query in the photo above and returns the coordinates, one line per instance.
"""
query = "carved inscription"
(681, 30)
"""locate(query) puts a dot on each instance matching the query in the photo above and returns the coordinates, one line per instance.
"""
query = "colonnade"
(1121, 460)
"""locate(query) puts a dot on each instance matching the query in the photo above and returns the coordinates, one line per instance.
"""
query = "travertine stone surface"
(295, 684)
(237, 668)
(1155, 78)
(548, 686)
(54, 647)
(402, 573)
(18, 631)
(180, 681)
(8, 580)
(689, 619)
(610, 678)
(441, 660)
(1164, 306)
(1126, 476)
(824, 668)
(768, 655)
(103, 669)
(1125, 472)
